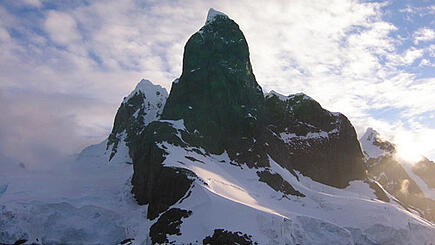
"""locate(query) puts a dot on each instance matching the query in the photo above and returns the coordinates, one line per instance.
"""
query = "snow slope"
(231, 197)
(84, 202)
(89, 202)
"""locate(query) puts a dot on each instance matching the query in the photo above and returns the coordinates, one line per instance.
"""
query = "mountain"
(216, 161)
(218, 107)
(425, 169)
(409, 184)
(227, 163)
(142, 106)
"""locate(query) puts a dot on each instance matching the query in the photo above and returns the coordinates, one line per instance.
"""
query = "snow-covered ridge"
(286, 98)
(212, 13)
(280, 96)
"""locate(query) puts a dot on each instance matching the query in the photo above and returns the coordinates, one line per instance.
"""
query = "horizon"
(67, 67)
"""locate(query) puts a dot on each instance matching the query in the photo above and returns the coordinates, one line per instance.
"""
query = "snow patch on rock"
(211, 15)
(370, 149)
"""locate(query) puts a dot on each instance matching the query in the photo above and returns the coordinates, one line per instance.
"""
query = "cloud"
(345, 54)
(404, 187)
(424, 34)
(62, 28)
(33, 3)
(41, 128)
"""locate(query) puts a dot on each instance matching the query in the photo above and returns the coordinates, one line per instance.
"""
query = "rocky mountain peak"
(374, 146)
(150, 91)
(217, 110)
(217, 88)
(370, 135)
(142, 106)
(213, 14)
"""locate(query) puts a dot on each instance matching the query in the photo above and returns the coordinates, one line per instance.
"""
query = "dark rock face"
(221, 236)
(317, 143)
(153, 183)
(278, 183)
(218, 97)
(124, 121)
(168, 224)
(217, 89)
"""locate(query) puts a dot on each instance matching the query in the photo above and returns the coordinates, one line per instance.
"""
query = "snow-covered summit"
(212, 13)
(149, 89)
(373, 146)
(370, 135)
(141, 107)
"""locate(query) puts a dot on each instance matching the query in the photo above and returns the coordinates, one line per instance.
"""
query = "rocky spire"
(217, 88)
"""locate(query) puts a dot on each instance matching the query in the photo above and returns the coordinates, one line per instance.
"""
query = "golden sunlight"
(408, 149)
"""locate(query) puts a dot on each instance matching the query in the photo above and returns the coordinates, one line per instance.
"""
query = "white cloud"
(61, 27)
(424, 34)
(339, 52)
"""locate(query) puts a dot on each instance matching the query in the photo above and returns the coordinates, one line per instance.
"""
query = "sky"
(66, 65)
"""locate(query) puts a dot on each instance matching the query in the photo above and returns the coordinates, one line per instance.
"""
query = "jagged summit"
(146, 87)
(370, 135)
(212, 14)
(141, 107)
(373, 146)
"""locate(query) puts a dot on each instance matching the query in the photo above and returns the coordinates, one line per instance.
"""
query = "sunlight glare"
(408, 149)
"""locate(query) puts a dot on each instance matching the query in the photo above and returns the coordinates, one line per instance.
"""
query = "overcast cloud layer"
(65, 66)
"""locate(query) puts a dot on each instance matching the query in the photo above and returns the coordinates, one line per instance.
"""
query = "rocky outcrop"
(168, 224)
(221, 236)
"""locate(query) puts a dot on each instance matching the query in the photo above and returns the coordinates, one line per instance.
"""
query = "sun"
(409, 155)
(408, 150)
